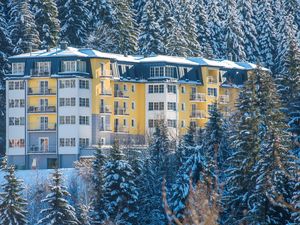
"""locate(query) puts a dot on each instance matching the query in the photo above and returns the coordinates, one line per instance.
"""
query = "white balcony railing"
(199, 97)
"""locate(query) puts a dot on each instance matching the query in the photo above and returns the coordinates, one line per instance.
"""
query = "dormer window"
(73, 66)
(163, 71)
(41, 68)
(18, 68)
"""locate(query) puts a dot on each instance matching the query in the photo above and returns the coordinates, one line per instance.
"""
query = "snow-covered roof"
(168, 59)
(92, 53)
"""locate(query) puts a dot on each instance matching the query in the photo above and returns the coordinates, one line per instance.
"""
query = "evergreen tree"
(46, 18)
(12, 204)
(265, 33)
(120, 191)
(73, 15)
(216, 29)
(150, 39)
(98, 214)
(246, 15)
(58, 211)
(204, 33)
(234, 34)
(22, 28)
(84, 215)
(100, 12)
(125, 27)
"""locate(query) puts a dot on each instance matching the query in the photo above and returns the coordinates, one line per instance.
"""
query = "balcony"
(42, 127)
(39, 91)
(42, 149)
(198, 97)
(46, 109)
(106, 92)
(212, 80)
(104, 127)
(40, 73)
(120, 111)
(198, 114)
(224, 99)
(105, 109)
(120, 94)
(121, 129)
(105, 74)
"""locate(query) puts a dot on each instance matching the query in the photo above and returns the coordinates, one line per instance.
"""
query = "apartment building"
(64, 101)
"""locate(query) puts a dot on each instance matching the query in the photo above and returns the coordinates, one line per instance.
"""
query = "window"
(150, 123)
(125, 123)
(67, 101)
(83, 142)
(16, 121)
(67, 119)
(125, 87)
(172, 89)
(67, 84)
(161, 88)
(84, 84)
(161, 71)
(133, 105)
(133, 88)
(172, 106)
(84, 120)
(182, 107)
(43, 67)
(210, 80)
(156, 106)
(84, 102)
(16, 143)
(155, 88)
(171, 123)
(81, 66)
(150, 106)
(69, 66)
(212, 92)
(182, 123)
(150, 89)
(67, 142)
(18, 68)
(211, 108)
(182, 89)
(133, 123)
(16, 103)
(16, 85)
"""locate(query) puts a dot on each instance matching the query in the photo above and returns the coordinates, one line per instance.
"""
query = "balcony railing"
(104, 127)
(105, 73)
(199, 97)
(224, 99)
(105, 109)
(120, 129)
(46, 109)
(120, 111)
(105, 92)
(120, 94)
(42, 127)
(42, 149)
(39, 73)
(39, 91)
(198, 114)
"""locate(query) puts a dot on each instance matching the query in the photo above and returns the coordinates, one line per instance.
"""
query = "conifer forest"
(243, 169)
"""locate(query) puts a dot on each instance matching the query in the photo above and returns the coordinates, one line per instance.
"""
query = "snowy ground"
(30, 177)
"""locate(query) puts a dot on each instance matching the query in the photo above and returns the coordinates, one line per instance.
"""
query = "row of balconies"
(41, 91)
(117, 111)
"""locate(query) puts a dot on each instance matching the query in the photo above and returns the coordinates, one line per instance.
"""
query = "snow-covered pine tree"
(293, 9)
(185, 147)
(22, 28)
(203, 31)
(246, 15)
(234, 35)
(120, 191)
(150, 39)
(98, 214)
(58, 210)
(84, 214)
(126, 29)
(100, 12)
(12, 204)
(296, 201)
(46, 19)
(274, 170)
(74, 17)
(215, 27)
(245, 147)
(186, 20)
(264, 20)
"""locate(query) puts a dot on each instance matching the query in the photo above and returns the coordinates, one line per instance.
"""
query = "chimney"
(48, 48)
(63, 45)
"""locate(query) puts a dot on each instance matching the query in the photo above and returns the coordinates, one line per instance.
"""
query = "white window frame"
(18, 68)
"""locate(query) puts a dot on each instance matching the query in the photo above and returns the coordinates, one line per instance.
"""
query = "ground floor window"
(51, 163)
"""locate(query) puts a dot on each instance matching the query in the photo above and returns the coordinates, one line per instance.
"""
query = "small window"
(150, 89)
(182, 123)
(133, 105)
(212, 92)
(132, 123)
(133, 88)
(84, 84)
(182, 89)
(150, 123)
(161, 106)
(161, 88)
(18, 68)
(125, 123)
(182, 107)
(150, 106)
